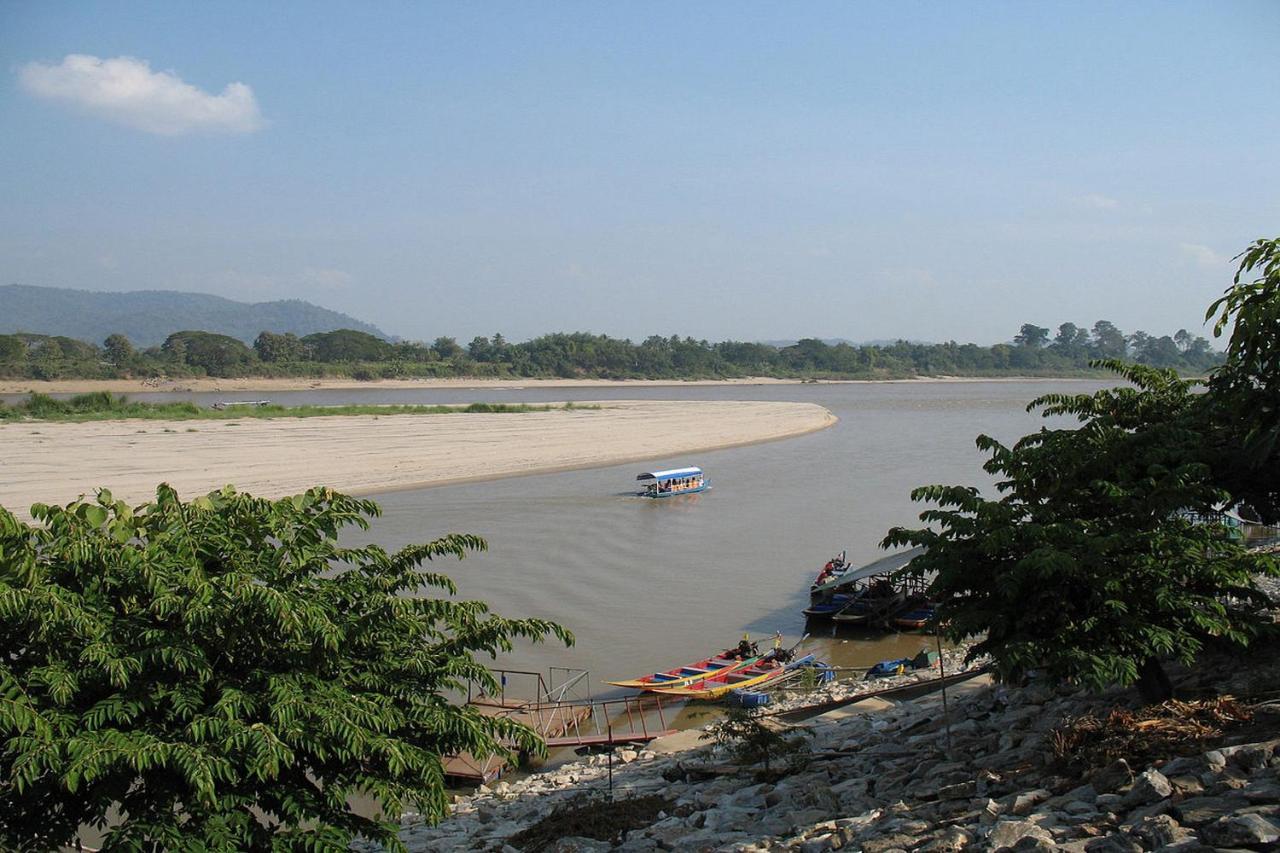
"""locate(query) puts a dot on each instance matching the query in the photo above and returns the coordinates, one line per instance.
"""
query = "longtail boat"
(769, 668)
(690, 672)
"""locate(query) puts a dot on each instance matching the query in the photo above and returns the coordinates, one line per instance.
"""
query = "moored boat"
(873, 608)
(834, 568)
(830, 606)
(771, 667)
(916, 618)
(678, 676)
(677, 481)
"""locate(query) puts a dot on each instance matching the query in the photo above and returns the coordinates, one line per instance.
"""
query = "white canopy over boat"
(673, 474)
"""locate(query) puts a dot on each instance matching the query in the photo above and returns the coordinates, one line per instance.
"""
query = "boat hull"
(748, 677)
(687, 674)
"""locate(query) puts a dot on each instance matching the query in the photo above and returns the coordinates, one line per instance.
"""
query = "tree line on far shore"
(359, 355)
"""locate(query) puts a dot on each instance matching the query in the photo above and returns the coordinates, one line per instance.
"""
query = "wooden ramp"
(562, 723)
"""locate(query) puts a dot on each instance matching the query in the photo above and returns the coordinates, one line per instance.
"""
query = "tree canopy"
(226, 675)
(1102, 553)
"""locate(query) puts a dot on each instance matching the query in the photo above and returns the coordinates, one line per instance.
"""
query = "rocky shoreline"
(885, 776)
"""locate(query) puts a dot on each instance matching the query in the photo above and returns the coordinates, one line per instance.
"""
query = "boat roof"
(670, 475)
(882, 566)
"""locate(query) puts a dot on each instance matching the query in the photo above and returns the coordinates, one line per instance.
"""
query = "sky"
(725, 170)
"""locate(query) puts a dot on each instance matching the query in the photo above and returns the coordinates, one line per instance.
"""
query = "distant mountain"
(147, 317)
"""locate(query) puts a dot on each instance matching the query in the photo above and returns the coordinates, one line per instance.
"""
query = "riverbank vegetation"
(1035, 350)
(1106, 553)
(102, 406)
(222, 674)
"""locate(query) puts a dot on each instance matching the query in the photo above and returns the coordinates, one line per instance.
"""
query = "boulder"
(1159, 831)
(1151, 786)
(1241, 830)
(574, 844)
(1114, 843)
(1022, 804)
(1007, 833)
(1199, 811)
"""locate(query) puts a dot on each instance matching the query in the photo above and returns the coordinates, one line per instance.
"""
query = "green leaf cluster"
(1094, 561)
(223, 674)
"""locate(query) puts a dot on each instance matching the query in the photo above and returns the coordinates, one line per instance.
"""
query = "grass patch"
(101, 406)
(598, 819)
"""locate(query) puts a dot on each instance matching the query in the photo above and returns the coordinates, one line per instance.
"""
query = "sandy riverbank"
(207, 385)
(55, 462)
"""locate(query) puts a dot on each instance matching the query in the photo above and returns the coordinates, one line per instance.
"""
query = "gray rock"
(1199, 811)
(885, 843)
(1114, 843)
(1159, 831)
(950, 840)
(574, 844)
(822, 843)
(1023, 803)
(1006, 833)
(1151, 786)
(1237, 830)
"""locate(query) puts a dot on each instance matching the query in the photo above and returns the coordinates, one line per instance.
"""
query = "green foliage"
(1245, 391)
(1093, 563)
(1086, 566)
(348, 352)
(752, 741)
(272, 347)
(346, 345)
(225, 674)
(101, 406)
(216, 355)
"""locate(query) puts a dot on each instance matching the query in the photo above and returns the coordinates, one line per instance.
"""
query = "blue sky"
(724, 170)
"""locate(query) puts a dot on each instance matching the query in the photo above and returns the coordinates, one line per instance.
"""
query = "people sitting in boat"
(745, 648)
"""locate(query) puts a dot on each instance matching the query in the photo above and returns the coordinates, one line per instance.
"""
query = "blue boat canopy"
(673, 474)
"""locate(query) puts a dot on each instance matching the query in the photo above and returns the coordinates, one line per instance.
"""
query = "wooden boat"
(677, 481)
(834, 568)
(831, 606)
(915, 619)
(870, 609)
(681, 675)
(769, 668)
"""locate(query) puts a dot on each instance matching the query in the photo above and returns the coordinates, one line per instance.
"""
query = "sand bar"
(55, 462)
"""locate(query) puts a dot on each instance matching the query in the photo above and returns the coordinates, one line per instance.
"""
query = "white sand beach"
(55, 462)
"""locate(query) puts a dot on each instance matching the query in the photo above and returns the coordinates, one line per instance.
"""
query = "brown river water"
(649, 584)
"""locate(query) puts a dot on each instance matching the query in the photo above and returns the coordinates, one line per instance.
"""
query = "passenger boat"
(677, 481)
(679, 676)
(768, 669)
(834, 568)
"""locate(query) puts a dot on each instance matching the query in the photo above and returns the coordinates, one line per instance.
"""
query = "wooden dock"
(564, 725)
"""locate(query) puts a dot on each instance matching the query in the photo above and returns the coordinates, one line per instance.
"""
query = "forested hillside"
(147, 317)
(358, 354)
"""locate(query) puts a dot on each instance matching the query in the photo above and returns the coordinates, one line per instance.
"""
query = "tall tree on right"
(1095, 563)
(1244, 393)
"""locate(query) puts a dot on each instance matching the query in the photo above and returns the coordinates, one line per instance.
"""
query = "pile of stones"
(900, 778)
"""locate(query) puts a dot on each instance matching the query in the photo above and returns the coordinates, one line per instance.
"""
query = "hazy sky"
(724, 170)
